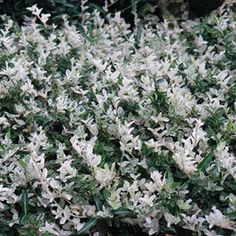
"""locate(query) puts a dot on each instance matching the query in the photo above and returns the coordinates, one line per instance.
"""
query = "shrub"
(103, 127)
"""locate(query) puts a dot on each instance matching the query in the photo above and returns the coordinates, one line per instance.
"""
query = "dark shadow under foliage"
(203, 7)
(16, 9)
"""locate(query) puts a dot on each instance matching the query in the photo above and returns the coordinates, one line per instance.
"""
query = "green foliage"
(80, 149)
(159, 100)
(202, 166)
(90, 224)
(231, 95)
(214, 122)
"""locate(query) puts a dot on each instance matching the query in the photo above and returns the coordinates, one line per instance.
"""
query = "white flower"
(53, 229)
(78, 146)
(184, 205)
(98, 63)
(50, 228)
(152, 225)
(128, 91)
(212, 233)
(182, 99)
(147, 84)
(38, 140)
(198, 133)
(96, 234)
(86, 151)
(155, 144)
(15, 218)
(156, 176)
(226, 159)
(29, 88)
(115, 198)
(157, 184)
(67, 171)
(44, 18)
(62, 214)
(36, 11)
(193, 222)
(105, 213)
(127, 141)
(92, 159)
(89, 210)
(77, 224)
(184, 160)
(92, 126)
(7, 194)
(105, 175)
(216, 218)
(3, 121)
(232, 201)
(62, 103)
(202, 69)
(171, 219)
(147, 200)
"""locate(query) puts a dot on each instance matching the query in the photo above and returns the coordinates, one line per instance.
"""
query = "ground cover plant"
(104, 130)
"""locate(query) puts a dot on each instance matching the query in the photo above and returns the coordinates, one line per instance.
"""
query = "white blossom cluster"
(101, 123)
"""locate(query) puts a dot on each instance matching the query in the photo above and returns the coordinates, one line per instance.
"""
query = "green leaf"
(205, 162)
(24, 205)
(22, 219)
(231, 127)
(132, 5)
(138, 36)
(9, 133)
(147, 8)
(232, 215)
(24, 161)
(108, 149)
(25, 201)
(82, 31)
(23, 164)
(1, 148)
(98, 204)
(97, 7)
(90, 224)
(47, 234)
(122, 212)
(232, 185)
(146, 151)
(169, 175)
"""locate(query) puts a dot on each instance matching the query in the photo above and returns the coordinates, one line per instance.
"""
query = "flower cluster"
(100, 124)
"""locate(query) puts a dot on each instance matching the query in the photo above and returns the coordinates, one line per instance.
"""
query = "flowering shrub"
(101, 126)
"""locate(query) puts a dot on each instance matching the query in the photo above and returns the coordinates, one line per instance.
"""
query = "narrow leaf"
(96, 7)
(24, 205)
(9, 133)
(25, 202)
(98, 204)
(205, 162)
(122, 212)
(90, 224)
(138, 36)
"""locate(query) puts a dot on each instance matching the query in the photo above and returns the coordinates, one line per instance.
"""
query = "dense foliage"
(105, 128)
